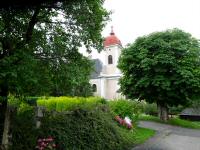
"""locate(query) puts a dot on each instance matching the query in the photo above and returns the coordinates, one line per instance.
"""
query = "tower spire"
(112, 32)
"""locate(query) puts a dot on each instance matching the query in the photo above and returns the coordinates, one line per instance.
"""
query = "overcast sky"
(134, 18)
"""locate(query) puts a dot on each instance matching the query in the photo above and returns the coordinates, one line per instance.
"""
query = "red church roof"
(112, 39)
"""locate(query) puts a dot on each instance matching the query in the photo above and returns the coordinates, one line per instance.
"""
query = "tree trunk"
(2, 118)
(5, 138)
(5, 113)
(163, 112)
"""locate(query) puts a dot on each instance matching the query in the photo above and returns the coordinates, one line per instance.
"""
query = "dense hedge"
(89, 125)
(69, 103)
(125, 108)
(84, 130)
(150, 109)
(24, 132)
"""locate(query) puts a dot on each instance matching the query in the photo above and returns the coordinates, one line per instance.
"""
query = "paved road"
(170, 138)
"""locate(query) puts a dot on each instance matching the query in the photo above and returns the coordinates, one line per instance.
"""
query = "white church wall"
(97, 82)
(112, 89)
(107, 82)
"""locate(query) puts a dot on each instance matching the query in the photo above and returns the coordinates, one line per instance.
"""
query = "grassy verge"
(173, 121)
(143, 134)
(137, 135)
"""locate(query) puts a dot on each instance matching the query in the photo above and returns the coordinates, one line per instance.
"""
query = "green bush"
(17, 100)
(24, 133)
(150, 109)
(125, 108)
(90, 126)
(84, 130)
(77, 130)
(175, 110)
(31, 100)
(69, 103)
(195, 103)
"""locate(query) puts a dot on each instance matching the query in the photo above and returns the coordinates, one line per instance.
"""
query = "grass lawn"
(137, 135)
(143, 134)
(173, 121)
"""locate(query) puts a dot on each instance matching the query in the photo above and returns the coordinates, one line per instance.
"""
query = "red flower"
(44, 143)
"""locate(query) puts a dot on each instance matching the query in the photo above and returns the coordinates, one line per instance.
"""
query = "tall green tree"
(71, 76)
(37, 38)
(163, 67)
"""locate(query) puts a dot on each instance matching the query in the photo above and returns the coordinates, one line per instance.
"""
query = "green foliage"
(176, 110)
(195, 103)
(163, 67)
(39, 47)
(150, 109)
(137, 135)
(31, 100)
(125, 108)
(80, 129)
(71, 78)
(84, 130)
(15, 101)
(24, 133)
(184, 123)
(69, 103)
(149, 118)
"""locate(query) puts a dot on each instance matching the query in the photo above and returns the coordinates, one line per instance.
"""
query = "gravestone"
(39, 114)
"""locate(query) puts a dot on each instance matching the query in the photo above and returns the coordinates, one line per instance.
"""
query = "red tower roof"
(112, 39)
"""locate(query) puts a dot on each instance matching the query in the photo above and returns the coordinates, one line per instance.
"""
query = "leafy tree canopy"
(163, 67)
(39, 48)
(39, 44)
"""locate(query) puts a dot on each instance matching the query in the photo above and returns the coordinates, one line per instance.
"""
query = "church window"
(110, 59)
(94, 88)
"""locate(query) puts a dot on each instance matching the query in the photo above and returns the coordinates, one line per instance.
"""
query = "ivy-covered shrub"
(84, 130)
(90, 126)
(23, 129)
(69, 103)
(125, 108)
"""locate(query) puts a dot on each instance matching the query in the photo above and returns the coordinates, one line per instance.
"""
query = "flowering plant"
(124, 122)
(46, 144)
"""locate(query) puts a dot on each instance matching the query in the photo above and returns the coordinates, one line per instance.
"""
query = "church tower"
(111, 53)
(106, 83)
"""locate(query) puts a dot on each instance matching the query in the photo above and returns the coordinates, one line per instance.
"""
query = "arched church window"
(110, 59)
(94, 88)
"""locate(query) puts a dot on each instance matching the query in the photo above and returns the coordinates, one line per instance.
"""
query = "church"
(105, 77)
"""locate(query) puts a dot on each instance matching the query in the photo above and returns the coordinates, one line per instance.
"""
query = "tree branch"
(31, 25)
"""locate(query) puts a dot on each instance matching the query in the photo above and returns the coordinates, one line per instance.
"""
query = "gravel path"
(170, 138)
